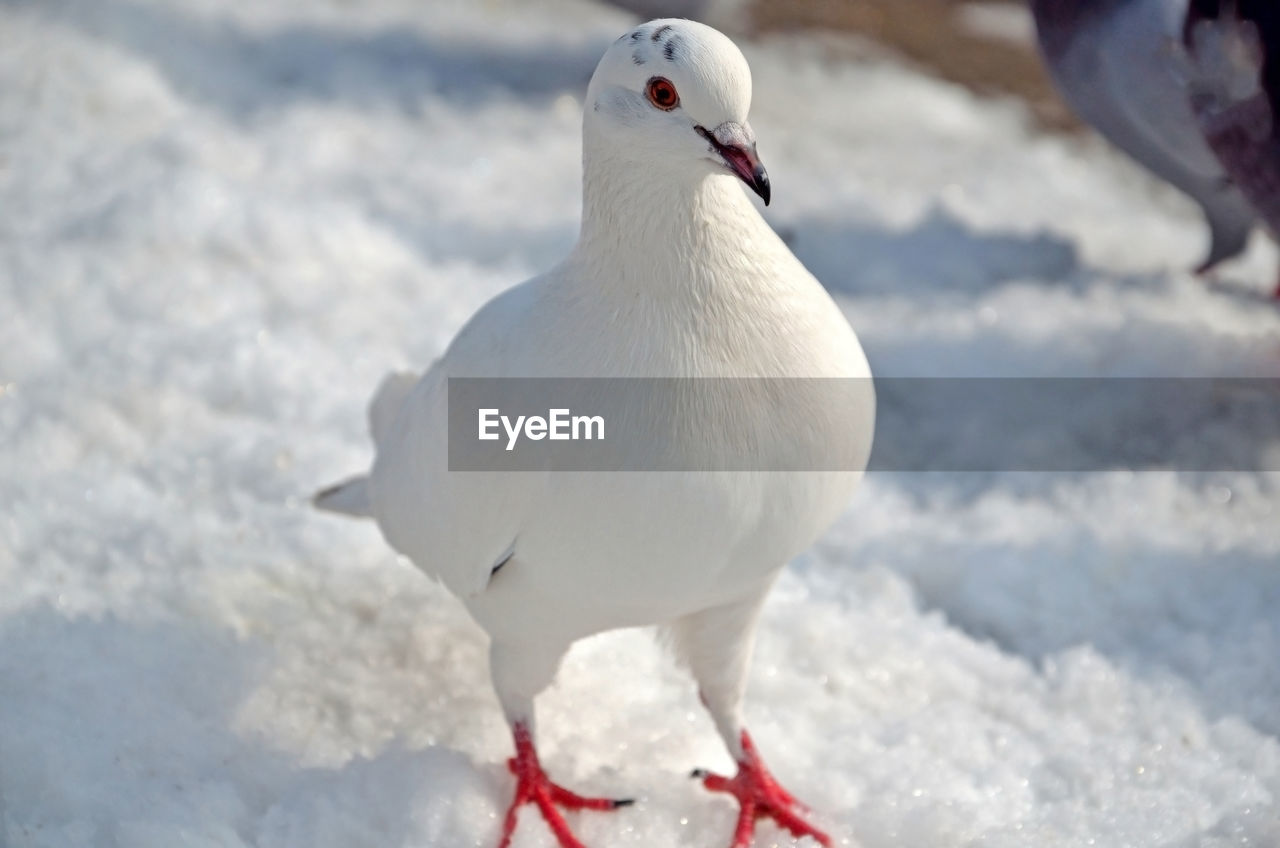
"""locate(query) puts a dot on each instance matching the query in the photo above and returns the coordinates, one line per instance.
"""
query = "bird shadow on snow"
(243, 73)
(124, 733)
(939, 254)
(1200, 621)
(1134, 415)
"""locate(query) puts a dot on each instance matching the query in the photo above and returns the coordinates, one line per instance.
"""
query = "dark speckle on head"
(635, 36)
(657, 33)
(669, 50)
(637, 58)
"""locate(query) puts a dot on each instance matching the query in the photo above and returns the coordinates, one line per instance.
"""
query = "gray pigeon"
(1231, 71)
(1112, 61)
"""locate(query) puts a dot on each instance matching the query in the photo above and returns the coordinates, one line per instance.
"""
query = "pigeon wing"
(458, 526)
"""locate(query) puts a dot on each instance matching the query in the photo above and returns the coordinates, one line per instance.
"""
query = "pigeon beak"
(736, 145)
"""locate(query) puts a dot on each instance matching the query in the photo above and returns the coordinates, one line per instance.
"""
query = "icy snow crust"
(222, 222)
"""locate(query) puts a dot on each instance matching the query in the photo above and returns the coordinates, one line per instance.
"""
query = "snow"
(221, 225)
(999, 21)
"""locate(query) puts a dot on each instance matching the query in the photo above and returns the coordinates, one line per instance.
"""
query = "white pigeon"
(675, 275)
(1112, 61)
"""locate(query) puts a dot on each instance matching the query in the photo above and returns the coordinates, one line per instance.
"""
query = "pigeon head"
(671, 96)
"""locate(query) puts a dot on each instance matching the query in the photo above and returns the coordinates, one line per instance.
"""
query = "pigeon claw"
(534, 787)
(760, 796)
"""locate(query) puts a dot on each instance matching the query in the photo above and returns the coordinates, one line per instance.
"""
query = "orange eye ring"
(662, 94)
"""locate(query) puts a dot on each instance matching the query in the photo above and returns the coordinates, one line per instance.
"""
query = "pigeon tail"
(1230, 224)
(350, 497)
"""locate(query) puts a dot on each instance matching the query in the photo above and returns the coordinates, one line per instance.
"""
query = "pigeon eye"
(662, 93)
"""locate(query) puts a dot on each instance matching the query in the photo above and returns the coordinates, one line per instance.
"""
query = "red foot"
(759, 796)
(533, 786)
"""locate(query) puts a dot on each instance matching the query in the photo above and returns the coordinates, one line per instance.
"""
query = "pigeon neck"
(654, 221)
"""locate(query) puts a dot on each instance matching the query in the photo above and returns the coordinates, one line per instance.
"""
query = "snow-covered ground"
(220, 223)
